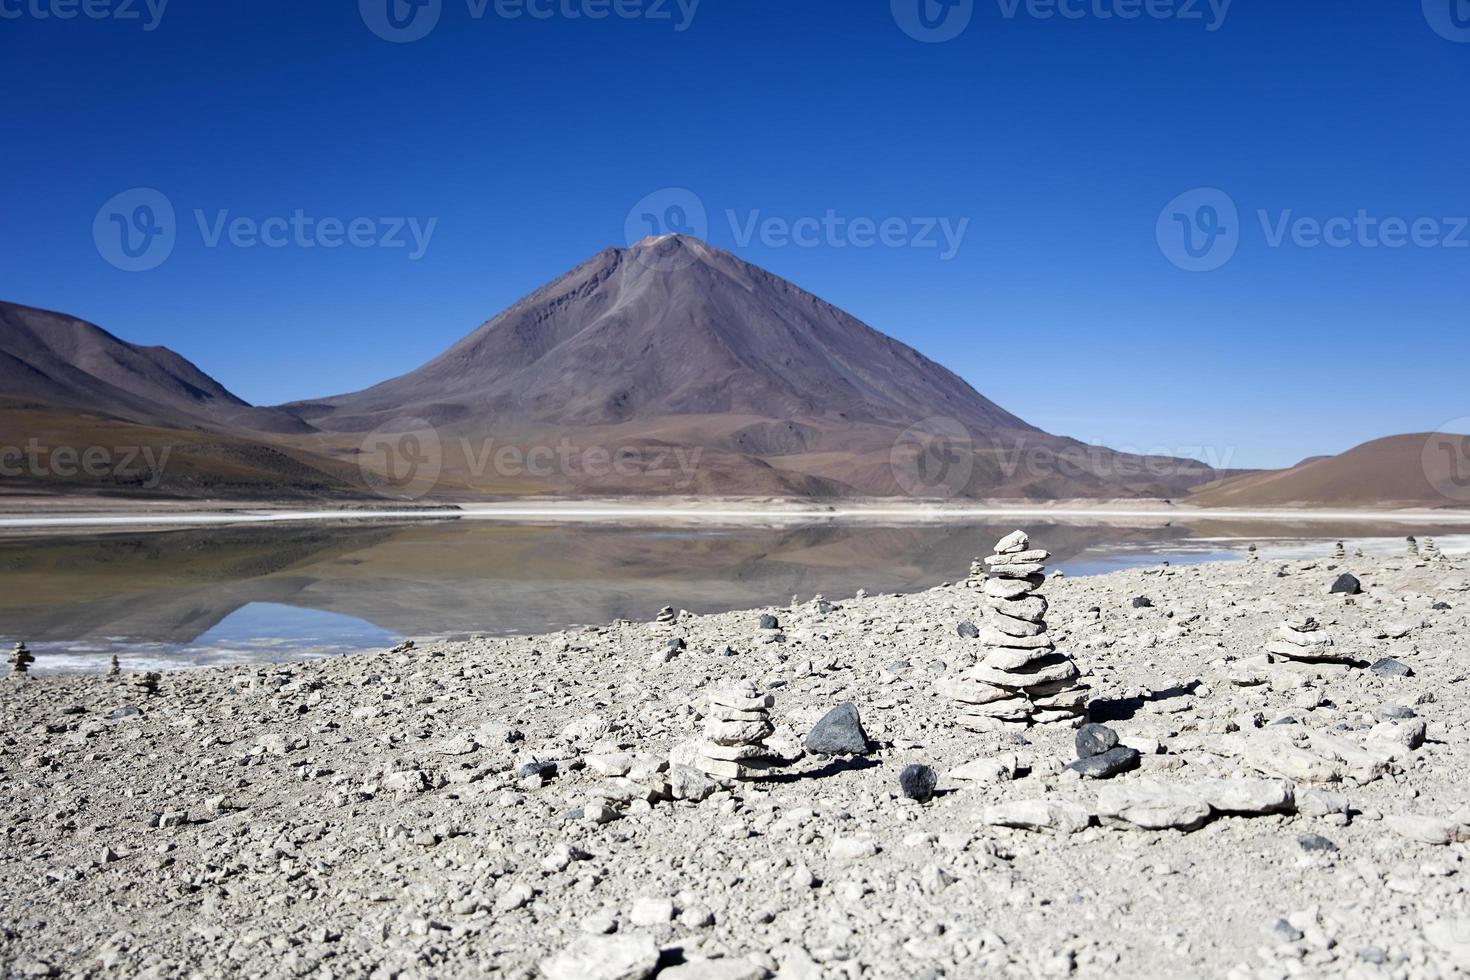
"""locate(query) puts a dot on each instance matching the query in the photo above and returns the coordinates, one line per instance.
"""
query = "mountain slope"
(1415, 470)
(673, 344)
(61, 361)
(82, 411)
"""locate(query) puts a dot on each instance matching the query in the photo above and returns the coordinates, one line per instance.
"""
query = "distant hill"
(154, 423)
(1396, 471)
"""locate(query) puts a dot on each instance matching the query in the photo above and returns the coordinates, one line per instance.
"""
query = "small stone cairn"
(1340, 552)
(1304, 640)
(666, 616)
(21, 659)
(147, 683)
(1432, 552)
(735, 730)
(1021, 679)
(114, 668)
(976, 579)
(1413, 544)
(1252, 554)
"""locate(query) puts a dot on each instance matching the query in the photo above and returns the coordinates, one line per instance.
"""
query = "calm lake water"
(263, 594)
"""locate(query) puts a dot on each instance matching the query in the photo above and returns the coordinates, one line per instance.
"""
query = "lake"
(256, 594)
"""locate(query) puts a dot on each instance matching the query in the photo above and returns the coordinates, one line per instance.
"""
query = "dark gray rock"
(1142, 602)
(917, 782)
(769, 622)
(1440, 606)
(840, 732)
(1315, 842)
(1094, 739)
(968, 631)
(1346, 585)
(543, 769)
(1396, 712)
(1389, 667)
(1106, 765)
(1286, 932)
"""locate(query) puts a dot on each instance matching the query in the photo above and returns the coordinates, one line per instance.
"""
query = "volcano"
(673, 345)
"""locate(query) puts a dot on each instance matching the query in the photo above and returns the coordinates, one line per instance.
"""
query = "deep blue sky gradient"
(529, 140)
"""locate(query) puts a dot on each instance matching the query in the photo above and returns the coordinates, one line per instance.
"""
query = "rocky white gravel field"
(533, 807)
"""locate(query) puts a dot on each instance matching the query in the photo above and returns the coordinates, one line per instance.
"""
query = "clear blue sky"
(1060, 139)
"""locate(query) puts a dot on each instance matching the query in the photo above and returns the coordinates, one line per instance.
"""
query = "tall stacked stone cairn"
(1340, 552)
(736, 727)
(1252, 554)
(1432, 552)
(1413, 544)
(1021, 679)
(977, 575)
(21, 659)
(1303, 640)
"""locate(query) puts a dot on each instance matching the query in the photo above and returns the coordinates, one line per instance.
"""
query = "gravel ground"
(508, 807)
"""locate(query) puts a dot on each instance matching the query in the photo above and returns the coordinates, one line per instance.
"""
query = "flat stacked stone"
(1021, 679)
(21, 659)
(1305, 641)
(735, 729)
(666, 616)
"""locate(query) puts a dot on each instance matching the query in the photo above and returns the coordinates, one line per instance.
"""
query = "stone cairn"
(1413, 544)
(735, 730)
(1340, 552)
(147, 683)
(1305, 641)
(114, 668)
(1021, 679)
(21, 659)
(1432, 552)
(1252, 554)
(666, 616)
(977, 575)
